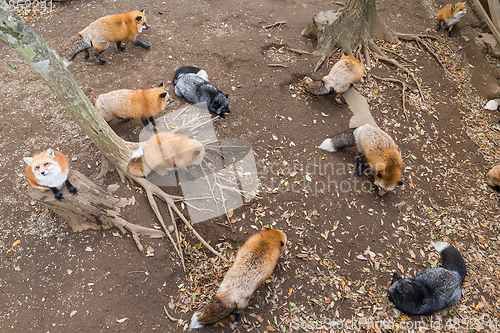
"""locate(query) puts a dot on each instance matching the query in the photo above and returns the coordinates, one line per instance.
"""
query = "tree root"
(92, 208)
(381, 56)
(153, 190)
(420, 42)
(403, 90)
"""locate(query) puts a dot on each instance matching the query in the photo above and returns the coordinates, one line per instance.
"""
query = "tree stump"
(92, 208)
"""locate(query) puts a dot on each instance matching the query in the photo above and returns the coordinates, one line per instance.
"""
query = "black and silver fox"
(435, 288)
(195, 89)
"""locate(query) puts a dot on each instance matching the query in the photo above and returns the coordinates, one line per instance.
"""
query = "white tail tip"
(327, 145)
(138, 153)
(194, 322)
(492, 105)
(203, 75)
(439, 246)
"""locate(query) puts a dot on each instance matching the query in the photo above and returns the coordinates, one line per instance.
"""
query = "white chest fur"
(53, 177)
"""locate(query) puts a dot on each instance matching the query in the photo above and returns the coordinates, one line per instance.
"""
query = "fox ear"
(50, 153)
(453, 7)
(379, 175)
(395, 277)
(28, 160)
(162, 95)
(160, 85)
(142, 10)
(197, 153)
(138, 18)
(227, 95)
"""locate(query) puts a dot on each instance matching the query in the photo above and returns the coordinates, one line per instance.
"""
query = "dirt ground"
(344, 241)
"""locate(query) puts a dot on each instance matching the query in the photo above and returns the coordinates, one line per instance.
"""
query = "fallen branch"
(277, 65)
(168, 315)
(280, 23)
(298, 51)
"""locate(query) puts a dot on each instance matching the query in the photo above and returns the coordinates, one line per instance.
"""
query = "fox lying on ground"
(435, 288)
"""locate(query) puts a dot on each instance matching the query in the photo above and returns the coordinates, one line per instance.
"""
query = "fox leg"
(57, 193)
(87, 54)
(190, 176)
(449, 30)
(340, 99)
(119, 46)
(358, 166)
(70, 187)
(141, 44)
(100, 48)
(439, 27)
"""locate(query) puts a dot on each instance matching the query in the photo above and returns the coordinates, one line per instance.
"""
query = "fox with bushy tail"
(104, 31)
(435, 288)
(255, 261)
(377, 148)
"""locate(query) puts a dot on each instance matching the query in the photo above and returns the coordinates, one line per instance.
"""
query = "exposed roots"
(402, 92)
(152, 190)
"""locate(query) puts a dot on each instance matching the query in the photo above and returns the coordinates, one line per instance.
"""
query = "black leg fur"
(70, 187)
(119, 46)
(98, 57)
(141, 44)
(57, 194)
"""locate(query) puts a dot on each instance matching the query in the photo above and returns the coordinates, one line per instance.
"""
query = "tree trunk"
(47, 63)
(350, 28)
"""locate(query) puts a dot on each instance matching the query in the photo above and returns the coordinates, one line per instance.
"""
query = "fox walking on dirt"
(377, 148)
(347, 71)
(255, 261)
(104, 31)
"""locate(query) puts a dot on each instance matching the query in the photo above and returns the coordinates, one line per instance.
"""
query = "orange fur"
(348, 70)
(165, 151)
(255, 261)
(450, 15)
(135, 104)
(104, 31)
(40, 163)
(493, 177)
(382, 155)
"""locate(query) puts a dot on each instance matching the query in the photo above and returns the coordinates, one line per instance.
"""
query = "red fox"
(49, 170)
(450, 15)
(347, 71)
(377, 148)
(493, 178)
(133, 104)
(255, 261)
(165, 151)
(104, 31)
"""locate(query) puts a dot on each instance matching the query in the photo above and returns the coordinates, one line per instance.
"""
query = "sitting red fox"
(133, 104)
(104, 31)
(255, 261)
(347, 71)
(493, 178)
(49, 170)
(166, 151)
(450, 15)
(378, 149)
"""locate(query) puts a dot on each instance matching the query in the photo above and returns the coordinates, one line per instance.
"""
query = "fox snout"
(146, 26)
